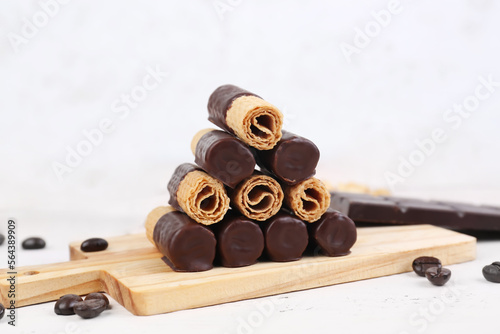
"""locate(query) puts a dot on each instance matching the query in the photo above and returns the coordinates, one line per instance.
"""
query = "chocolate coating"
(285, 237)
(224, 157)
(33, 243)
(173, 185)
(94, 245)
(2, 310)
(334, 233)
(187, 245)
(240, 241)
(220, 101)
(292, 160)
(90, 308)
(2, 238)
(65, 304)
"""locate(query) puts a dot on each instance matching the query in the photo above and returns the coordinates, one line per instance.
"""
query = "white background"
(364, 114)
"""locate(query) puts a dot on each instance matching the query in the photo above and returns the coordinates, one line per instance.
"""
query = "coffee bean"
(421, 264)
(97, 295)
(90, 308)
(94, 245)
(33, 243)
(65, 304)
(2, 311)
(438, 276)
(2, 238)
(492, 272)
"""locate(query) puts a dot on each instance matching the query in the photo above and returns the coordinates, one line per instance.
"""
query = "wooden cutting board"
(131, 271)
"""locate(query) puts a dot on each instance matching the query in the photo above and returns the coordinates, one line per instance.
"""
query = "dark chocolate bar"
(334, 233)
(220, 101)
(363, 208)
(292, 160)
(285, 237)
(185, 244)
(224, 157)
(240, 241)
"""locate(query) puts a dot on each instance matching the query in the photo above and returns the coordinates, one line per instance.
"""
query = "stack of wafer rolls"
(250, 195)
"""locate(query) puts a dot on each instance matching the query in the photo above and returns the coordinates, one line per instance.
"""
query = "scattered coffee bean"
(492, 272)
(98, 295)
(2, 311)
(438, 276)
(33, 243)
(2, 238)
(90, 308)
(65, 304)
(421, 264)
(94, 245)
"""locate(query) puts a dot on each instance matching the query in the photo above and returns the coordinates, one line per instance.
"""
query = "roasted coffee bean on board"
(94, 245)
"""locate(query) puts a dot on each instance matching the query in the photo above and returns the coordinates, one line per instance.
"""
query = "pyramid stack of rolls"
(224, 211)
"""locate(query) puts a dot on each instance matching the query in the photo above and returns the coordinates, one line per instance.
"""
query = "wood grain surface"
(131, 271)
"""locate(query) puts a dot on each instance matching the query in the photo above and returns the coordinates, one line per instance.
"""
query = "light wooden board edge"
(302, 275)
(100, 272)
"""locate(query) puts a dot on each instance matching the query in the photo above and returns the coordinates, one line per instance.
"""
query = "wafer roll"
(200, 196)
(223, 156)
(240, 241)
(185, 244)
(285, 237)
(255, 121)
(308, 199)
(292, 160)
(258, 197)
(334, 233)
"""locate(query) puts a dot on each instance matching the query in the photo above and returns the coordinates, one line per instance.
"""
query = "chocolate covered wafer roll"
(308, 199)
(334, 233)
(240, 241)
(200, 196)
(185, 244)
(285, 237)
(257, 197)
(292, 160)
(223, 156)
(255, 121)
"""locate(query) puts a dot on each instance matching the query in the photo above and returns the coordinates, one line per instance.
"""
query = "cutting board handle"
(38, 284)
